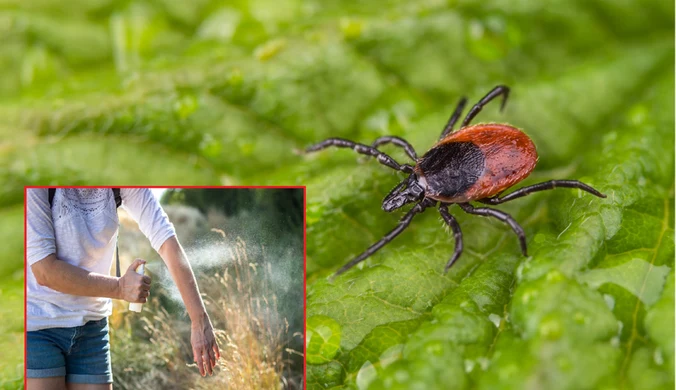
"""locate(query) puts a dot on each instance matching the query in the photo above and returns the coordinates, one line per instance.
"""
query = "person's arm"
(61, 276)
(203, 340)
(154, 223)
(69, 279)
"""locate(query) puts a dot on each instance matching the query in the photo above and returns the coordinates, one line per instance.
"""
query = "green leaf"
(323, 339)
(99, 92)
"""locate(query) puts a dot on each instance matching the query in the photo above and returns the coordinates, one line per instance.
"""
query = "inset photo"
(165, 288)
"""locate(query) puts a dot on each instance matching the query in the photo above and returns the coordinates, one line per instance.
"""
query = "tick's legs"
(548, 185)
(504, 217)
(403, 224)
(454, 117)
(457, 234)
(362, 149)
(497, 91)
(391, 139)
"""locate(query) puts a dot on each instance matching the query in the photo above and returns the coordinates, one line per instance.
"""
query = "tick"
(473, 164)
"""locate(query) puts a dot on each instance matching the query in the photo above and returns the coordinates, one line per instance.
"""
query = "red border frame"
(25, 257)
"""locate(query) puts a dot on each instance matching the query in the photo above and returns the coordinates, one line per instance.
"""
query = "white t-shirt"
(81, 229)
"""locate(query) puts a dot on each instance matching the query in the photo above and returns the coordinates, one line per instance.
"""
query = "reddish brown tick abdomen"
(508, 155)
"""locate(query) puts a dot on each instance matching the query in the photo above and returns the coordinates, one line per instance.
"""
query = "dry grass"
(154, 351)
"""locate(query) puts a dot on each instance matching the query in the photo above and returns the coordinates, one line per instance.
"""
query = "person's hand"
(204, 346)
(134, 287)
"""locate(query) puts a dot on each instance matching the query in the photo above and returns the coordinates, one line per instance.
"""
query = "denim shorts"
(81, 354)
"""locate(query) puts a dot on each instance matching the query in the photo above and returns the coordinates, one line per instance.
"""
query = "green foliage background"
(207, 92)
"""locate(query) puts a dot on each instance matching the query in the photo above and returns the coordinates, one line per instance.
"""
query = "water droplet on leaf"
(495, 319)
(610, 301)
(657, 357)
(367, 373)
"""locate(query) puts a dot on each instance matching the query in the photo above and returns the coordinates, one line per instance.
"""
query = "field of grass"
(152, 350)
(245, 275)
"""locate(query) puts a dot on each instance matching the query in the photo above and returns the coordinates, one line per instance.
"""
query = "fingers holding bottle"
(134, 287)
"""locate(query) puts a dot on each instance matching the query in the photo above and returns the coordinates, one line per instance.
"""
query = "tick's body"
(475, 163)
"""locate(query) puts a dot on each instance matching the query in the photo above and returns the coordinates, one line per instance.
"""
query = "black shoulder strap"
(118, 198)
(118, 202)
(117, 259)
(51, 191)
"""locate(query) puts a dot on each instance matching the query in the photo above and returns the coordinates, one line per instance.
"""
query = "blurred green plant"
(206, 92)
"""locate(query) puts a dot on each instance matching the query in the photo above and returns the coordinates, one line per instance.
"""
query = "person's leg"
(88, 360)
(52, 383)
(90, 386)
(46, 365)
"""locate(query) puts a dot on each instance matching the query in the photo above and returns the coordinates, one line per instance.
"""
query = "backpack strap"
(51, 193)
(117, 260)
(118, 198)
(118, 202)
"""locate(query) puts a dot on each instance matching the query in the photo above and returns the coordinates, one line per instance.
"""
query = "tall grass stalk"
(154, 351)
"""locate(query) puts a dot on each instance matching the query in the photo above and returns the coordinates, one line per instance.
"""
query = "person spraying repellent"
(70, 241)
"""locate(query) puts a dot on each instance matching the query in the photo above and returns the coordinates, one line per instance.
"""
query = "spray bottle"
(137, 307)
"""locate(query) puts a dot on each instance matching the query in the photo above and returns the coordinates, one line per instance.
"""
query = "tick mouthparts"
(394, 203)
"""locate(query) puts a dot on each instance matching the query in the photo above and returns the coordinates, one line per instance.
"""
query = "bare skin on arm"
(69, 279)
(204, 345)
